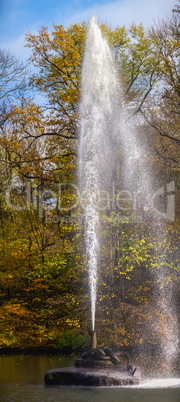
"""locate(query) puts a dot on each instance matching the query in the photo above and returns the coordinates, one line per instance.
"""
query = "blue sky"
(17, 17)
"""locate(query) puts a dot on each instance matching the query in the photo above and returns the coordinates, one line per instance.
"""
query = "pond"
(21, 379)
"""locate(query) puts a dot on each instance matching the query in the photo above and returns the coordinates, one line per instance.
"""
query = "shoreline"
(67, 350)
(36, 350)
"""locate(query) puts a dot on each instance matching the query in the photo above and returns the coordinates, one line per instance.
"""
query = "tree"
(12, 78)
(43, 274)
(59, 58)
(165, 39)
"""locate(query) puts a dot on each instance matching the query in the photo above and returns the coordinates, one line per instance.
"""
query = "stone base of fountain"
(97, 367)
(89, 377)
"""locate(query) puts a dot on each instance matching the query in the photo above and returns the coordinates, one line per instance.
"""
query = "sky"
(17, 17)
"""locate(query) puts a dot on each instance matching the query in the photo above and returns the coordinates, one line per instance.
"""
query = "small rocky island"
(96, 367)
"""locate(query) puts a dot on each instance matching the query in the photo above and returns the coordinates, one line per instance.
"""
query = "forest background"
(44, 293)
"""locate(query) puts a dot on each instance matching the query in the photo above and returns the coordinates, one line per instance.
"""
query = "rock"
(92, 354)
(104, 358)
(112, 355)
(124, 355)
(96, 367)
(101, 351)
(89, 377)
(94, 363)
(96, 354)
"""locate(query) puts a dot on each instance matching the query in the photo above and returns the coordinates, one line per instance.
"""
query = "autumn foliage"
(43, 271)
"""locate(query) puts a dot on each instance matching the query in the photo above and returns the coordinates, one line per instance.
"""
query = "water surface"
(21, 379)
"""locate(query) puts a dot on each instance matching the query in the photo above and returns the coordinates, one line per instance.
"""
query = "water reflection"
(19, 369)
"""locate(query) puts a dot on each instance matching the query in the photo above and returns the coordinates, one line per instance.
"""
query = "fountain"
(99, 109)
(103, 122)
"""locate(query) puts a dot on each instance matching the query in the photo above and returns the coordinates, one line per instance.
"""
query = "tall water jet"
(98, 104)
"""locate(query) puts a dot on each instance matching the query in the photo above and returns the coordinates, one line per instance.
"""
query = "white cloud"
(124, 12)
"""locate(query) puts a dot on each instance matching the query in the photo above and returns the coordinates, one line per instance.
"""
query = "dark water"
(21, 379)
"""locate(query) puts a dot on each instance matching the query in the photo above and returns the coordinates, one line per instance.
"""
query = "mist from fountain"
(105, 128)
